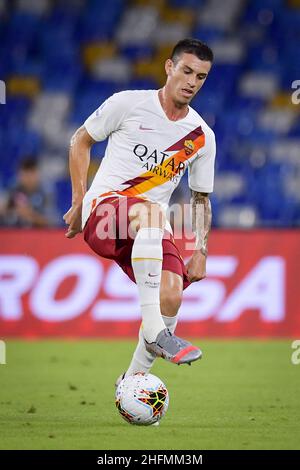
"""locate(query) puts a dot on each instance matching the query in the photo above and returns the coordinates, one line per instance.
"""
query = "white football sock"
(143, 360)
(170, 322)
(146, 259)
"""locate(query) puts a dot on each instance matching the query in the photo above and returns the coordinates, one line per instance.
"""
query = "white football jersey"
(147, 153)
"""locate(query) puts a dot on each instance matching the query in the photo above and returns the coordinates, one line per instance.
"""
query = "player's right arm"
(79, 160)
(99, 125)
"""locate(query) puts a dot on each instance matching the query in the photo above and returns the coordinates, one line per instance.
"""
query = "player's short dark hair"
(192, 46)
(29, 163)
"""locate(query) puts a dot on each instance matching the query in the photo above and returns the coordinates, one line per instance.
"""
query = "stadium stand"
(61, 59)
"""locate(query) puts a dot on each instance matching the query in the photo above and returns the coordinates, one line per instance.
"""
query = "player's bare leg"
(146, 257)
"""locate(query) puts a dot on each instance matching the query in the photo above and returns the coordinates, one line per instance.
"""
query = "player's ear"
(168, 66)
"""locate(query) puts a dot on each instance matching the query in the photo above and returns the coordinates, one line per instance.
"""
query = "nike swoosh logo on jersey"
(145, 128)
(152, 275)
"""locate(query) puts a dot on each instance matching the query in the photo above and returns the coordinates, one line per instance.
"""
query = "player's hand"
(73, 220)
(196, 267)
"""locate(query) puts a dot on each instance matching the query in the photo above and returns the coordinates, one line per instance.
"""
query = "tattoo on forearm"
(201, 219)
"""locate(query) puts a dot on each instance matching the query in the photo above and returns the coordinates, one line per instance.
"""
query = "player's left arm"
(201, 224)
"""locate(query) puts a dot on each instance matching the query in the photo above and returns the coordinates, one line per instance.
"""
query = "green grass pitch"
(60, 395)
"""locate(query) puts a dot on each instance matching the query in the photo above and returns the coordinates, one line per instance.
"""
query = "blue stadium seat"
(137, 52)
(63, 194)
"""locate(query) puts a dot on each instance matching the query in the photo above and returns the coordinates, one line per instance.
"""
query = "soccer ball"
(142, 399)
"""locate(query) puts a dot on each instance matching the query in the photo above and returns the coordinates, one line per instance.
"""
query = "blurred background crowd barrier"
(52, 286)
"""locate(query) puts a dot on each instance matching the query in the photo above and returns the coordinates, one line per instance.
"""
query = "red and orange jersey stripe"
(187, 147)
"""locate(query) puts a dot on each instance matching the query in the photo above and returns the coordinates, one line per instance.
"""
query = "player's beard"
(181, 102)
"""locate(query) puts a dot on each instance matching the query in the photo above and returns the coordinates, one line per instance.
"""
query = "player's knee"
(153, 216)
(147, 214)
(170, 301)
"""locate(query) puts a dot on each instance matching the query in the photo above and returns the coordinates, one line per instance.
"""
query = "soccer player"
(154, 135)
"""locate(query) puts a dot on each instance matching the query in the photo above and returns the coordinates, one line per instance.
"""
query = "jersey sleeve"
(108, 117)
(201, 170)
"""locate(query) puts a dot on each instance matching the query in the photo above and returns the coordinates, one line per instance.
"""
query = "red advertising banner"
(54, 287)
